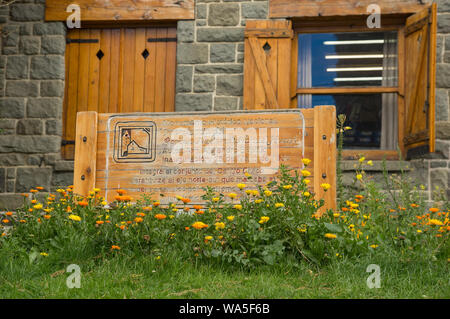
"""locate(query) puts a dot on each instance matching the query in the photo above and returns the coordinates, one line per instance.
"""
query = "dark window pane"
(347, 59)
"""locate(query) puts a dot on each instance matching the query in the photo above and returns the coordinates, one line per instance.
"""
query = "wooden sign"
(177, 154)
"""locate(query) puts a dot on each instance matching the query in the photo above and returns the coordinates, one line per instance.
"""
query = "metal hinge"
(162, 40)
(69, 40)
(67, 142)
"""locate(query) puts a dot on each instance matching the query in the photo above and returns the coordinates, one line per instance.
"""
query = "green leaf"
(32, 256)
(333, 227)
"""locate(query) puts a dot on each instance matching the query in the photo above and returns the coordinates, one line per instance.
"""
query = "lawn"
(142, 277)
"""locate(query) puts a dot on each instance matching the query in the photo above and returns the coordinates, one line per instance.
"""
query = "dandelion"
(330, 236)
(268, 193)
(230, 218)
(199, 225)
(279, 205)
(215, 199)
(232, 195)
(325, 186)
(264, 219)
(374, 246)
(219, 225)
(306, 194)
(306, 181)
(241, 186)
(238, 207)
(75, 218)
(287, 186)
(258, 201)
(44, 254)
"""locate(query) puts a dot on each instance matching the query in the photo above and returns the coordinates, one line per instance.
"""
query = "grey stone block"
(10, 35)
(52, 88)
(47, 67)
(184, 78)
(438, 164)
(185, 31)
(10, 50)
(223, 14)
(240, 58)
(53, 44)
(219, 68)
(30, 45)
(223, 52)
(7, 126)
(11, 173)
(442, 149)
(64, 166)
(443, 75)
(220, 34)
(443, 23)
(29, 177)
(230, 85)
(10, 201)
(49, 28)
(53, 127)
(44, 107)
(443, 130)
(439, 178)
(12, 159)
(443, 5)
(204, 83)
(439, 48)
(12, 108)
(200, 11)
(26, 29)
(10, 186)
(447, 57)
(255, 10)
(17, 67)
(30, 127)
(62, 179)
(442, 105)
(192, 53)
(29, 144)
(225, 103)
(27, 12)
(200, 23)
(193, 102)
(22, 88)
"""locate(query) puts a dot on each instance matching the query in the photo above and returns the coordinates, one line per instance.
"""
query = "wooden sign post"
(177, 154)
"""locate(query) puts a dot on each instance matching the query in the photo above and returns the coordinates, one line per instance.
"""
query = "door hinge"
(67, 142)
(162, 40)
(69, 40)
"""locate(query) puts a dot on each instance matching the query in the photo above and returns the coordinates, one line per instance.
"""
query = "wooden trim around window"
(348, 90)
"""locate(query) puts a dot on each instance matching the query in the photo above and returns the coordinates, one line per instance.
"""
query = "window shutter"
(267, 64)
(420, 57)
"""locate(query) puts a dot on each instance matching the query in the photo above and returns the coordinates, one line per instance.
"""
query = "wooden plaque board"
(142, 152)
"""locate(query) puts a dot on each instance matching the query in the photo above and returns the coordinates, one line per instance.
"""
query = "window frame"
(356, 24)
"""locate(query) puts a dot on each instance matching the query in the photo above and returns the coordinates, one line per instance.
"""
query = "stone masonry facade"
(210, 56)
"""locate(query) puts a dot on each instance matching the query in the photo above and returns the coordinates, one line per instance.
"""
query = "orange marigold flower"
(138, 220)
(8, 213)
(160, 216)
(197, 207)
(83, 203)
(129, 222)
(5, 221)
(69, 209)
(140, 214)
(115, 247)
(47, 216)
(156, 204)
(359, 197)
(121, 191)
(99, 222)
(22, 221)
(186, 228)
(186, 200)
(199, 225)
(434, 209)
(344, 209)
(122, 227)
(200, 212)
(147, 208)
(33, 191)
(40, 188)
(24, 195)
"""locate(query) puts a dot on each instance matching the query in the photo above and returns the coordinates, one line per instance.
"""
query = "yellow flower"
(219, 225)
(287, 186)
(306, 194)
(96, 190)
(37, 206)
(330, 236)
(279, 205)
(44, 254)
(306, 161)
(258, 201)
(241, 186)
(75, 218)
(347, 128)
(336, 215)
(238, 207)
(419, 231)
(247, 175)
(267, 193)
(158, 257)
(232, 195)
(374, 246)
(230, 218)
(305, 172)
(436, 222)
(325, 186)
(362, 159)
(264, 219)
(215, 199)
(208, 238)
(370, 163)
(306, 181)
(359, 177)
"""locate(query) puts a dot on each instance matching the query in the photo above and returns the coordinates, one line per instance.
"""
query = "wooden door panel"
(118, 70)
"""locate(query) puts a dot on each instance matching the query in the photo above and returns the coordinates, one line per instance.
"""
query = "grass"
(141, 277)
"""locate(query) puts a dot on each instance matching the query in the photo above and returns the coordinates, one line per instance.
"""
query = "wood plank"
(105, 71)
(347, 90)
(114, 75)
(129, 48)
(284, 70)
(122, 10)
(83, 72)
(325, 155)
(432, 78)
(289, 8)
(150, 74)
(94, 68)
(249, 77)
(139, 69)
(85, 153)
(371, 154)
(171, 66)
(161, 55)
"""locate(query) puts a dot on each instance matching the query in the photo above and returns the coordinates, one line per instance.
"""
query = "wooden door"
(117, 71)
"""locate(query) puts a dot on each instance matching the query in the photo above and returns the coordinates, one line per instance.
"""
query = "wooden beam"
(85, 153)
(348, 90)
(312, 8)
(122, 10)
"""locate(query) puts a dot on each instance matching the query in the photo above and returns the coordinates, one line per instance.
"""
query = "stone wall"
(210, 55)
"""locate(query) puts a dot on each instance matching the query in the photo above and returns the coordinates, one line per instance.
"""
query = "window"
(117, 70)
(382, 79)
